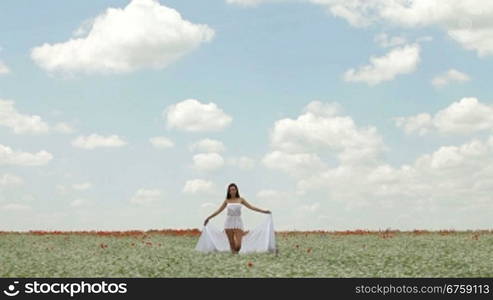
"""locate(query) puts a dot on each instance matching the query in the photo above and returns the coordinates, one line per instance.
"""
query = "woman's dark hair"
(228, 196)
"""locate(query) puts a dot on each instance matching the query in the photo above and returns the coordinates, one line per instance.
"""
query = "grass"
(170, 253)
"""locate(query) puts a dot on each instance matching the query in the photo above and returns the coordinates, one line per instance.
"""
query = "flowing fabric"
(261, 239)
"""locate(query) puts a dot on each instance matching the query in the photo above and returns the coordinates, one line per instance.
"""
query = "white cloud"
(448, 178)
(144, 34)
(18, 122)
(422, 123)
(467, 163)
(63, 128)
(465, 116)
(192, 115)
(451, 176)
(146, 196)
(207, 205)
(84, 28)
(161, 142)
(321, 127)
(298, 164)
(22, 123)
(82, 186)
(468, 22)
(198, 186)
(352, 11)
(479, 39)
(79, 202)
(274, 199)
(465, 21)
(242, 162)
(15, 207)
(208, 161)
(250, 3)
(3, 68)
(245, 2)
(385, 41)
(65, 190)
(61, 189)
(8, 180)
(20, 158)
(310, 208)
(400, 60)
(323, 109)
(451, 75)
(268, 193)
(245, 163)
(208, 145)
(95, 141)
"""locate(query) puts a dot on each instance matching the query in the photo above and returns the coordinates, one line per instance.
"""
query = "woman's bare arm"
(253, 207)
(218, 211)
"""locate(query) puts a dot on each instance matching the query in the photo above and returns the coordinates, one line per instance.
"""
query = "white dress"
(260, 239)
(233, 216)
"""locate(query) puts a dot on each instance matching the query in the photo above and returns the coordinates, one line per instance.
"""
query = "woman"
(233, 226)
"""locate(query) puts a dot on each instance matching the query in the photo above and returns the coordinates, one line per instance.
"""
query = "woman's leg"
(238, 235)
(230, 234)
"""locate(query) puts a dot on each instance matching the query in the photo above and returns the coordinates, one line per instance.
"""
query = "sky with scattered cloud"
(332, 114)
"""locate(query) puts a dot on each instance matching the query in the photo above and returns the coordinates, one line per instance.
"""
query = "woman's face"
(232, 191)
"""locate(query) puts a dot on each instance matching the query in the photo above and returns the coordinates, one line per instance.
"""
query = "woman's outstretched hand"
(206, 221)
(267, 211)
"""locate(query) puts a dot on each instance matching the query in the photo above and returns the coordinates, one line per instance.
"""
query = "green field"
(324, 254)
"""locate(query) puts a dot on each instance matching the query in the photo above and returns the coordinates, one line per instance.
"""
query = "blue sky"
(319, 147)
